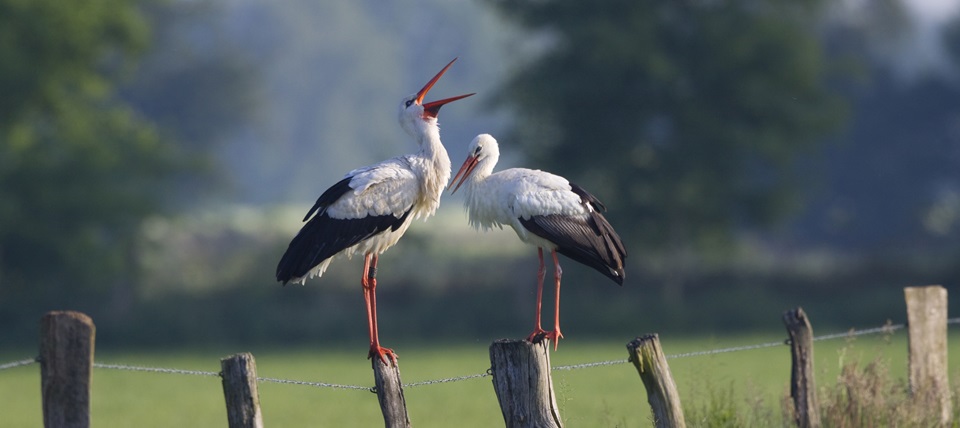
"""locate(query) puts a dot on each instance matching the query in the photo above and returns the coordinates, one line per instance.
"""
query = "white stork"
(371, 207)
(546, 211)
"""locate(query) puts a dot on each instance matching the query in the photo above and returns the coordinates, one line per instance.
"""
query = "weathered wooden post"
(66, 366)
(806, 408)
(927, 325)
(524, 386)
(647, 356)
(390, 394)
(239, 374)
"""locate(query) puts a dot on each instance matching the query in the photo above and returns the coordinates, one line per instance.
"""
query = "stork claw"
(554, 336)
(539, 335)
(383, 353)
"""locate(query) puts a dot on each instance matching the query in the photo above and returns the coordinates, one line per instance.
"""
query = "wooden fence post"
(524, 386)
(66, 365)
(239, 374)
(927, 324)
(806, 407)
(647, 356)
(390, 394)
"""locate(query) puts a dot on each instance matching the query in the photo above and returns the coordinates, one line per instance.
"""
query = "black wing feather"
(330, 196)
(589, 240)
(323, 237)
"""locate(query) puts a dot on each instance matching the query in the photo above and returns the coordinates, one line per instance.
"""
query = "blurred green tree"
(109, 111)
(685, 117)
(79, 168)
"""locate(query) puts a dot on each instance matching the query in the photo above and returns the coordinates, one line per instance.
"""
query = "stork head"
(415, 114)
(482, 150)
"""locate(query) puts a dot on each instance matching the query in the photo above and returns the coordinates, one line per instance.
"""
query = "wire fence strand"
(12, 364)
(888, 328)
(449, 379)
(153, 369)
(315, 384)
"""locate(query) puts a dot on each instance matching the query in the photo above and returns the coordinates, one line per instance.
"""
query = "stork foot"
(539, 335)
(554, 336)
(383, 354)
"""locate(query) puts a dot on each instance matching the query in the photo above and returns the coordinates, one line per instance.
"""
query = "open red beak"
(465, 170)
(432, 108)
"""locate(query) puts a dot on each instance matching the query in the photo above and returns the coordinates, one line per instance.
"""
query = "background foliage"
(688, 114)
(80, 169)
(157, 156)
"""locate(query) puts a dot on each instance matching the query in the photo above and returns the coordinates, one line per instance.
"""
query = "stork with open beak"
(371, 207)
(546, 211)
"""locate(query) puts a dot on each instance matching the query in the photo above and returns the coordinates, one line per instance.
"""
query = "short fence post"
(927, 324)
(66, 365)
(806, 407)
(524, 386)
(647, 356)
(239, 374)
(390, 394)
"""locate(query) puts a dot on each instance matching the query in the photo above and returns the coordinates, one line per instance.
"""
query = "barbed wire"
(673, 356)
(308, 383)
(153, 369)
(888, 328)
(449, 379)
(13, 364)
(588, 365)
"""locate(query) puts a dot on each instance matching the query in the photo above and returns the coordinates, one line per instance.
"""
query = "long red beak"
(431, 109)
(465, 170)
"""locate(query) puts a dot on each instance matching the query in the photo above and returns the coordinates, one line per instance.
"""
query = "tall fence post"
(927, 324)
(524, 386)
(66, 365)
(647, 356)
(390, 394)
(239, 374)
(803, 389)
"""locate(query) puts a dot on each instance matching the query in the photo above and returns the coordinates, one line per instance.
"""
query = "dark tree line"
(696, 120)
(688, 114)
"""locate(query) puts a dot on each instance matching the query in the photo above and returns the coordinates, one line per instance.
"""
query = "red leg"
(555, 335)
(535, 336)
(364, 281)
(369, 282)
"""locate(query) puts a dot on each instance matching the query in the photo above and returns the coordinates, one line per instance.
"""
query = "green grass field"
(752, 381)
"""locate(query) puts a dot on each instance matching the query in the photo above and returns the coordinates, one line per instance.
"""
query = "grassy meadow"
(726, 389)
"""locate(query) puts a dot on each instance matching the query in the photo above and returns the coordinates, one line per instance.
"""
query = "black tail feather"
(323, 237)
(590, 240)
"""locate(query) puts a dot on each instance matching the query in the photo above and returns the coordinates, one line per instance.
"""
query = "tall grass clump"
(722, 408)
(863, 393)
(869, 396)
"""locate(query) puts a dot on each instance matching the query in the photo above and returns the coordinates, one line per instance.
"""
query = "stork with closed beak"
(546, 211)
(371, 207)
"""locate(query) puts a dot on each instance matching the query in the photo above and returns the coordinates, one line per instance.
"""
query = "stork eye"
(409, 102)
(477, 150)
